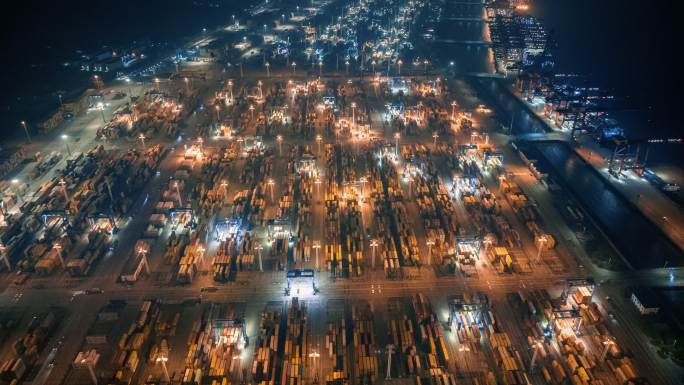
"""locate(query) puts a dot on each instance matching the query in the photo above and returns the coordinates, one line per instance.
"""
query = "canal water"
(640, 241)
(459, 35)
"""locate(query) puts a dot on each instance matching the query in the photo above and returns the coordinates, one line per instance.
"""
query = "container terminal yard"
(307, 197)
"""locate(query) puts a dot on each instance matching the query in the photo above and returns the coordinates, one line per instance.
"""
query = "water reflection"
(639, 240)
(459, 36)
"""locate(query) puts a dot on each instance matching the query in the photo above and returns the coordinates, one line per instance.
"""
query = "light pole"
(396, 143)
(294, 68)
(542, 241)
(89, 363)
(453, 110)
(156, 84)
(258, 248)
(109, 189)
(607, 344)
(373, 65)
(320, 68)
(390, 348)
(201, 249)
(251, 110)
(142, 140)
(224, 184)
(314, 356)
(435, 135)
(66, 143)
(58, 247)
(346, 64)
(292, 89)
(353, 106)
(488, 242)
(63, 183)
(363, 181)
(187, 84)
(4, 257)
(399, 62)
(218, 113)
(374, 245)
(538, 346)
(261, 92)
(430, 243)
(180, 200)
(28, 137)
(238, 357)
(409, 179)
(318, 185)
(425, 63)
(101, 107)
(162, 360)
(142, 253)
(270, 185)
(319, 139)
(316, 247)
(230, 89)
(15, 184)
(279, 139)
(268, 69)
(421, 110)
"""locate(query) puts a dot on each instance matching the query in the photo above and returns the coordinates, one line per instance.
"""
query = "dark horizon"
(623, 46)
